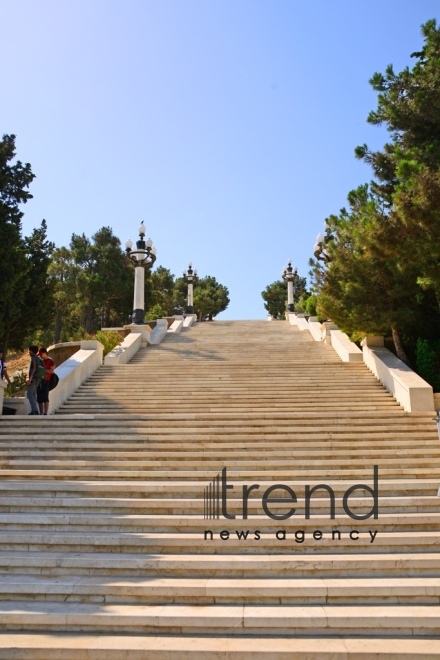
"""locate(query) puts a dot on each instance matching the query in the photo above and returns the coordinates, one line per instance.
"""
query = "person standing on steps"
(4, 370)
(33, 379)
(43, 387)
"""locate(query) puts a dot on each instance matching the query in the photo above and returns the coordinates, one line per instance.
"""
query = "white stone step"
(190, 489)
(273, 565)
(150, 523)
(298, 541)
(179, 507)
(224, 619)
(83, 646)
(274, 591)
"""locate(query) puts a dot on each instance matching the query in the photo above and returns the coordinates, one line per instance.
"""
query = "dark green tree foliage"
(384, 273)
(14, 181)
(275, 296)
(39, 252)
(25, 297)
(159, 293)
(210, 297)
(409, 106)
(428, 361)
(104, 281)
(38, 307)
(367, 287)
(63, 274)
(180, 293)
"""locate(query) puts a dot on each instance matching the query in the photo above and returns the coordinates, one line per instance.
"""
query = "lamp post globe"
(142, 257)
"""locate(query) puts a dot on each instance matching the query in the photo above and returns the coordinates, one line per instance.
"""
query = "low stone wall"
(74, 371)
(62, 352)
(410, 390)
(124, 352)
(407, 387)
(71, 372)
(177, 325)
(189, 320)
(344, 347)
(159, 331)
(315, 328)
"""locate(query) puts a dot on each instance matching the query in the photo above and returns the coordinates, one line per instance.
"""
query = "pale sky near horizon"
(227, 126)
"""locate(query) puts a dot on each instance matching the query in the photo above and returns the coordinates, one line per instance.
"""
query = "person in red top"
(43, 387)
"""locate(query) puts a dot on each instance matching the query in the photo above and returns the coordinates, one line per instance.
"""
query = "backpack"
(40, 371)
(54, 380)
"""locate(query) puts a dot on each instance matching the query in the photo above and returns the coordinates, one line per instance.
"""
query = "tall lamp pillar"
(138, 315)
(190, 277)
(142, 257)
(289, 275)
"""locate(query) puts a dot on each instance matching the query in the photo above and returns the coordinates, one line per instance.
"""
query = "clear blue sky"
(228, 126)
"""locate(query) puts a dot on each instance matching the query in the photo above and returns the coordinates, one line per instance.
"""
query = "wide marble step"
(290, 620)
(178, 507)
(245, 539)
(193, 489)
(202, 475)
(151, 451)
(158, 523)
(386, 565)
(214, 463)
(83, 646)
(268, 591)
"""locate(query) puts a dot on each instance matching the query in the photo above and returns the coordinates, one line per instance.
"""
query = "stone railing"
(72, 373)
(177, 325)
(75, 370)
(123, 353)
(152, 332)
(409, 389)
(189, 320)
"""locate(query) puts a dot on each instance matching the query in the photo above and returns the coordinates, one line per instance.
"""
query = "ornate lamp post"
(190, 278)
(290, 275)
(143, 257)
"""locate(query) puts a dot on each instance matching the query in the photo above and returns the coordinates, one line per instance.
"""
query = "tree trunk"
(58, 326)
(5, 345)
(89, 320)
(399, 347)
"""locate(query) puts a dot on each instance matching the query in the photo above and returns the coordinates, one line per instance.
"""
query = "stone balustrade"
(409, 389)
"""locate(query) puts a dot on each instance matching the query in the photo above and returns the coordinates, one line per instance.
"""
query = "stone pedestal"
(326, 327)
(143, 330)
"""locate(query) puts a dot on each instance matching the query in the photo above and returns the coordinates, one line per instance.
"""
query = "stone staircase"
(105, 551)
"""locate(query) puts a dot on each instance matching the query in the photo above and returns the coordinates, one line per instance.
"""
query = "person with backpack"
(43, 387)
(4, 369)
(37, 371)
